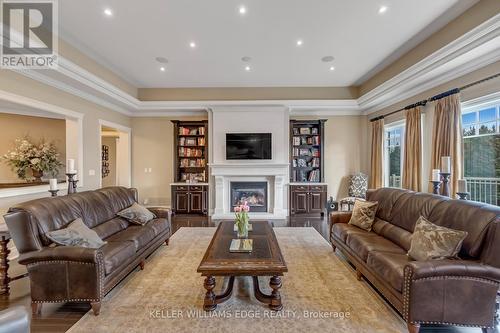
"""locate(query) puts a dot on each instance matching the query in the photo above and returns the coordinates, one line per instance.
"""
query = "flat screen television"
(248, 146)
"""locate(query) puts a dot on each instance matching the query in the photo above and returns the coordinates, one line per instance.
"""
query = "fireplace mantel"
(249, 169)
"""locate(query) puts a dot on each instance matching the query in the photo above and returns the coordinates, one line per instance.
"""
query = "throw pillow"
(363, 214)
(76, 234)
(430, 241)
(137, 214)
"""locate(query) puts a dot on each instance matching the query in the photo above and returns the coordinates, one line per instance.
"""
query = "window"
(393, 154)
(481, 153)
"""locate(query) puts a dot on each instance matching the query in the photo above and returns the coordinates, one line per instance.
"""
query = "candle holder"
(463, 195)
(445, 177)
(53, 193)
(71, 183)
(435, 186)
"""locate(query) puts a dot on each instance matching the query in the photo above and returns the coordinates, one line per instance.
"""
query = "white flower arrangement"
(41, 157)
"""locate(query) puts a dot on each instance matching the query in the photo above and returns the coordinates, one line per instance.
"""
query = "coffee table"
(264, 260)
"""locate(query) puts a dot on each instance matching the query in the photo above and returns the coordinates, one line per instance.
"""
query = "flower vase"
(242, 228)
(37, 174)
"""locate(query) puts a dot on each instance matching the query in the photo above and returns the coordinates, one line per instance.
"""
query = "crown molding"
(475, 49)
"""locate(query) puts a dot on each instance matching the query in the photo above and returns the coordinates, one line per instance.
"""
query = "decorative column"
(219, 195)
(279, 187)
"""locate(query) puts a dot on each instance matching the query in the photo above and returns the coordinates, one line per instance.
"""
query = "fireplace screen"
(255, 193)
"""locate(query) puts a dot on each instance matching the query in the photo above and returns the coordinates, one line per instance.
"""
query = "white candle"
(75, 177)
(462, 186)
(71, 166)
(53, 184)
(435, 175)
(446, 164)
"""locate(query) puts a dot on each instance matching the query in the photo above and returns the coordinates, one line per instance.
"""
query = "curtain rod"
(439, 96)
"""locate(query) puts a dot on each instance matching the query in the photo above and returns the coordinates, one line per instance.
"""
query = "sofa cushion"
(158, 226)
(387, 198)
(111, 227)
(139, 235)
(116, 254)
(392, 232)
(364, 243)
(389, 266)
(342, 230)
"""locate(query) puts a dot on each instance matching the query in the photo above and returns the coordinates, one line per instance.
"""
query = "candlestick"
(463, 195)
(446, 164)
(435, 186)
(445, 176)
(53, 193)
(71, 183)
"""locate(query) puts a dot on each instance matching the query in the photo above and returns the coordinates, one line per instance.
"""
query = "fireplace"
(255, 193)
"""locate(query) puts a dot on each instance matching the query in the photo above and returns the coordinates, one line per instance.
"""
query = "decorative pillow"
(137, 214)
(358, 185)
(430, 241)
(363, 214)
(76, 234)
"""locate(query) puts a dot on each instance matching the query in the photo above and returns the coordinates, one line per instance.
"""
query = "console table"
(4, 261)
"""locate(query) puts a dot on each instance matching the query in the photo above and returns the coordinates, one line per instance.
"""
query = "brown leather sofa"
(458, 292)
(67, 273)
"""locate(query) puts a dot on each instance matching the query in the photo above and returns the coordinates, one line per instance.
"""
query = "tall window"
(393, 154)
(482, 152)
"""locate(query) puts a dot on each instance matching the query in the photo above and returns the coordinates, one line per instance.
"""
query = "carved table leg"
(275, 284)
(4, 266)
(209, 302)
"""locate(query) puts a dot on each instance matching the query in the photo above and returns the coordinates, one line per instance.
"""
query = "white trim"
(481, 102)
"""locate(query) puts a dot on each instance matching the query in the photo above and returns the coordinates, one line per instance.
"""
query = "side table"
(4, 262)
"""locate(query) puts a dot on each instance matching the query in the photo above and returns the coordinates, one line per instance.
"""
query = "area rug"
(320, 293)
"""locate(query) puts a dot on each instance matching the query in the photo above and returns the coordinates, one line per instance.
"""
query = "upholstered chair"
(358, 185)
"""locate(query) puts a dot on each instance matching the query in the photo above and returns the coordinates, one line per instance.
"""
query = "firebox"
(254, 193)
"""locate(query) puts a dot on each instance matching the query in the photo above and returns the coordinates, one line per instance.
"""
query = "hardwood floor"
(60, 317)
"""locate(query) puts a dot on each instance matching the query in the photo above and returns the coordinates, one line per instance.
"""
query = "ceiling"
(361, 40)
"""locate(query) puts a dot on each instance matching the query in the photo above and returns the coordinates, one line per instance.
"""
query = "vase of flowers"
(38, 158)
(241, 221)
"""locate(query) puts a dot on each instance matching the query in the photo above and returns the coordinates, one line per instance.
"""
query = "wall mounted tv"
(248, 146)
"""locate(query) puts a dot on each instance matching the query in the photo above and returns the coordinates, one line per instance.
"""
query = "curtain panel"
(377, 156)
(412, 158)
(447, 137)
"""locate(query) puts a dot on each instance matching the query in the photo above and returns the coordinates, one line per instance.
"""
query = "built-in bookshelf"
(191, 151)
(306, 151)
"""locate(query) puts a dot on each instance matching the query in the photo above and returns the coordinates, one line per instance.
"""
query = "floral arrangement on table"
(39, 158)
(241, 222)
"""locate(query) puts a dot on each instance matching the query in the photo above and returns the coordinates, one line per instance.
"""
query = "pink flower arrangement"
(241, 222)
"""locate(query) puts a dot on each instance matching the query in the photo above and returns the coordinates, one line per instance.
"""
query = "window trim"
(388, 128)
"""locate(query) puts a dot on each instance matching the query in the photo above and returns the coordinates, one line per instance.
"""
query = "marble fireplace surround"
(275, 176)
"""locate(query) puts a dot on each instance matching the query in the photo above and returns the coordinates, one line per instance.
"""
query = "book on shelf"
(190, 152)
(192, 130)
(314, 130)
(313, 176)
(305, 130)
(296, 140)
(193, 177)
(185, 162)
(201, 141)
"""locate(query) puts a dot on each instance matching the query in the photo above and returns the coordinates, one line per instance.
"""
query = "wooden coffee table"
(264, 260)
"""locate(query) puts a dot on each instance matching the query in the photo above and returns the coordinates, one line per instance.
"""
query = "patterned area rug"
(320, 293)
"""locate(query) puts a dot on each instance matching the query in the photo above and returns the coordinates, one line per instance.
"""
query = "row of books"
(306, 176)
(302, 163)
(191, 141)
(190, 152)
(186, 162)
(193, 177)
(314, 152)
(300, 140)
(305, 131)
(192, 130)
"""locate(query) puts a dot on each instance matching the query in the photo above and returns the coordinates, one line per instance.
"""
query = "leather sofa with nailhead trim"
(458, 292)
(78, 274)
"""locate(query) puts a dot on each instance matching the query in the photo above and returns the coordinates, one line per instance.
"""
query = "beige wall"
(110, 179)
(15, 126)
(152, 147)
(17, 84)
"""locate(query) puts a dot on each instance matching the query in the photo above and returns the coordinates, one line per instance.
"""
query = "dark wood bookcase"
(191, 151)
(306, 151)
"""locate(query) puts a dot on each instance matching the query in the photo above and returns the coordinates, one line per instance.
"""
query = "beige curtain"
(376, 174)
(412, 160)
(447, 137)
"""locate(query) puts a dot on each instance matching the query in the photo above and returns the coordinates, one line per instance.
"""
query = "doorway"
(115, 155)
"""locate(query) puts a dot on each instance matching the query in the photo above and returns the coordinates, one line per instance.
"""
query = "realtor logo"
(29, 34)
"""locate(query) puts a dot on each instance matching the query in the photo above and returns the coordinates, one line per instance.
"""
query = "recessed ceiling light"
(246, 59)
(247, 68)
(108, 12)
(382, 9)
(162, 69)
(192, 45)
(300, 42)
(242, 10)
(332, 68)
